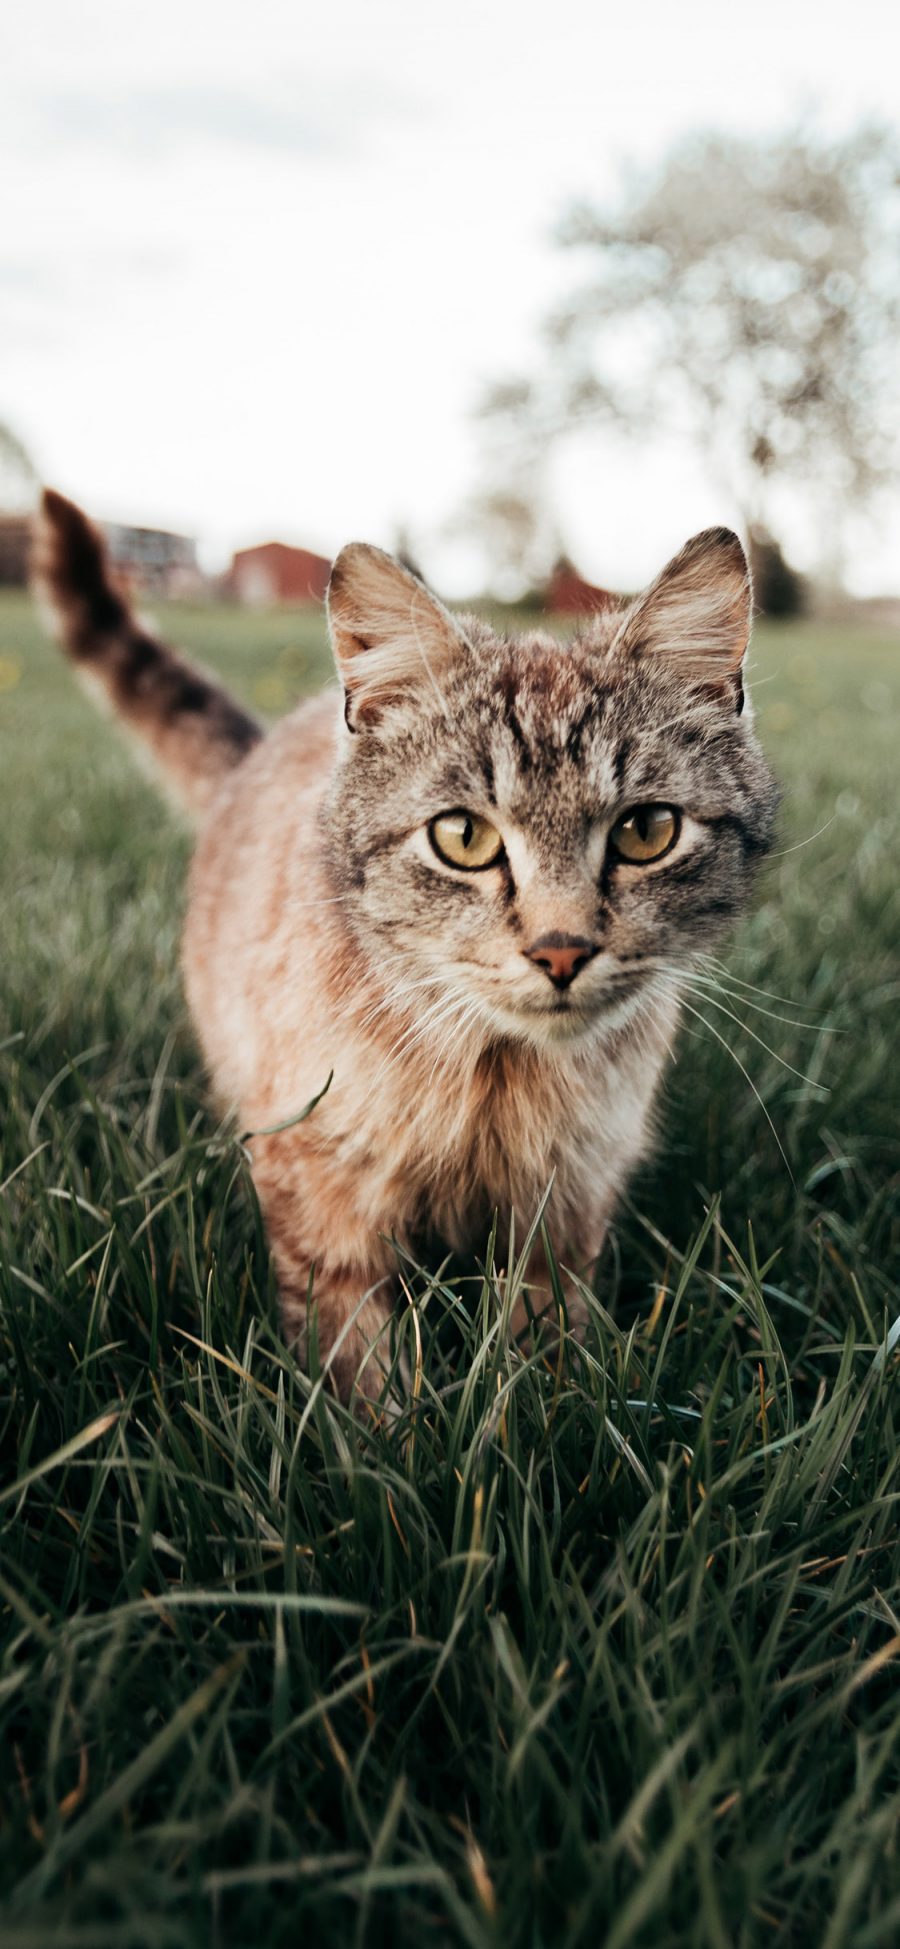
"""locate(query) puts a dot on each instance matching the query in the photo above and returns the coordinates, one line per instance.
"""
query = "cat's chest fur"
(441, 1148)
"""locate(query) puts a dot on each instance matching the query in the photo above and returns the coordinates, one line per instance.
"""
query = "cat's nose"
(561, 956)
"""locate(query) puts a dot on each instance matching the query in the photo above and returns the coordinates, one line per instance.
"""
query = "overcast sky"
(257, 261)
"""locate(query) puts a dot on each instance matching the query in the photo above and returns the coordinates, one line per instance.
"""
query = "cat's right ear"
(391, 637)
(695, 618)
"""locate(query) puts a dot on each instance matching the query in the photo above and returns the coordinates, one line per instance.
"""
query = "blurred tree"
(405, 550)
(777, 588)
(747, 297)
(18, 476)
(519, 540)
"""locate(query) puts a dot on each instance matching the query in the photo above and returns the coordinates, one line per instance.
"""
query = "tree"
(746, 297)
(777, 588)
(515, 538)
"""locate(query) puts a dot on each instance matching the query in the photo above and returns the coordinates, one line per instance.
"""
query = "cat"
(467, 884)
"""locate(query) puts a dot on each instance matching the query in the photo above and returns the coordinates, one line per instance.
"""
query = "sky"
(258, 263)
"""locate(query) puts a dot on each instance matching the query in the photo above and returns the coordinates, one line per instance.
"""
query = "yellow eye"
(463, 839)
(645, 833)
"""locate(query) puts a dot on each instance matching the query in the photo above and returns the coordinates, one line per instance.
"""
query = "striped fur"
(195, 732)
(324, 933)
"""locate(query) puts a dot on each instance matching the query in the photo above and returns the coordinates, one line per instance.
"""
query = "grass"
(599, 1651)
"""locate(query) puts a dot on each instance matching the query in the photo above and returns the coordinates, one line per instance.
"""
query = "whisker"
(806, 1028)
(784, 850)
(424, 1022)
(469, 1014)
(427, 1025)
(748, 1078)
(395, 998)
(721, 969)
(705, 996)
(424, 1028)
(327, 900)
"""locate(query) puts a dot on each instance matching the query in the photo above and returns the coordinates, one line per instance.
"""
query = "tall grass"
(591, 1648)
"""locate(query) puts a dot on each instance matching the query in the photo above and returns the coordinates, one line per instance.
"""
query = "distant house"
(147, 561)
(151, 561)
(15, 543)
(275, 572)
(568, 594)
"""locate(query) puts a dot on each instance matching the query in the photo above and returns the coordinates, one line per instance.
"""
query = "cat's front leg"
(350, 1309)
(336, 1277)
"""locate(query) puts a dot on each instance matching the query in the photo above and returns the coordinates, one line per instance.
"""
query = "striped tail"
(195, 731)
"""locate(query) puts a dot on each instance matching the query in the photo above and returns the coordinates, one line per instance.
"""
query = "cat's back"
(267, 808)
(258, 864)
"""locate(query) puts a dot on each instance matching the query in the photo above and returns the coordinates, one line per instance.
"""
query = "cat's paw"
(537, 1320)
(354, 1338)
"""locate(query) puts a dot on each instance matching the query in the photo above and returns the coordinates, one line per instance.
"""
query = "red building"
(274, 572)
(568, 594)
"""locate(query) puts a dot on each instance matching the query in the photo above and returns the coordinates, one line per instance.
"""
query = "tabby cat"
(469, 883)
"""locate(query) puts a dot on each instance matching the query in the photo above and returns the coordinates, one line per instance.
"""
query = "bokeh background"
(262, 272)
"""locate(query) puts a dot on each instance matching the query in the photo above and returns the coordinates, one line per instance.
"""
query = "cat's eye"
(645, 833)
(464, 840)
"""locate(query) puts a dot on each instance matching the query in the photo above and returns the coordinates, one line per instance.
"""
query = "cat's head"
(534, 831)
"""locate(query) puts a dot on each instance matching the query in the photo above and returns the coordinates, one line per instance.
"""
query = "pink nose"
(561, 956)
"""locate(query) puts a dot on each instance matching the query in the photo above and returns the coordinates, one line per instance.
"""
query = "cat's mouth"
(616, 989)
(564, 1015)
(571, 1013)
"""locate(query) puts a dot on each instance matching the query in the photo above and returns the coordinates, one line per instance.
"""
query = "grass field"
(599, 1654)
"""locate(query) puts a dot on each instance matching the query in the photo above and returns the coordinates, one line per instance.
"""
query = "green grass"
(598, 1653)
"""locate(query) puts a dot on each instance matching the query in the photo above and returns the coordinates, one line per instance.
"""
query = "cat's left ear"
(391, 637)
(696, 616)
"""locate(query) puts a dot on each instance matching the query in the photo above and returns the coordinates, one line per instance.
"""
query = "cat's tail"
(195, 731)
